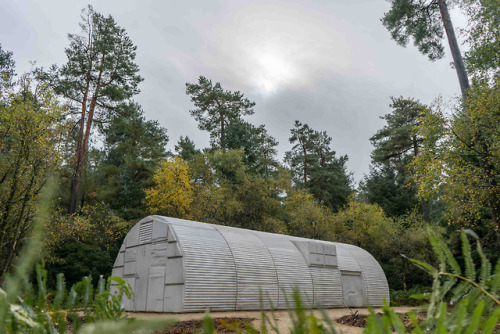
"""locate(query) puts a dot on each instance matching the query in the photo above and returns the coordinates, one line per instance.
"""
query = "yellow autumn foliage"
(172, 193)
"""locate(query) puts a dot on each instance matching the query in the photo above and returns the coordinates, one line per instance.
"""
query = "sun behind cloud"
(271, 70)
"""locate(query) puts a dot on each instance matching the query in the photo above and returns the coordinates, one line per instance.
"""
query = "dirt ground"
(283, 320)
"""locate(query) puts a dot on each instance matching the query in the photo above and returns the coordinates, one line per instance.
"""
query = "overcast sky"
(330, 64)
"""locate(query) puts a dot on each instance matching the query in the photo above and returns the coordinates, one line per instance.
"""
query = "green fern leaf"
(459, 315)
(470, 270)
(441, 320)
(425, 266)
(60, 291)
(485, 270)
(476, 318)
(460, 290)
(495, 281)
(492, 321)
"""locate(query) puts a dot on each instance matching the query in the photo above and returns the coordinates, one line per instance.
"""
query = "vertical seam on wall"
(275, 269)
(234, 263)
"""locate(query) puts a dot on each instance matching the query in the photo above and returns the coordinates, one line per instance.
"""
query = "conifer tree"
(99, 75)
(217, 108)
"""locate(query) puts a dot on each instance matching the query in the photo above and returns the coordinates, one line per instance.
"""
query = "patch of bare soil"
(359, 320)
(221, 325)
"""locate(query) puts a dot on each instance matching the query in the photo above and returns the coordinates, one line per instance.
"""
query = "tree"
(258, 146)
(460, 157)
(185, 148)
(382, 187)
(99, 75)
(483, 37)
(424, 20)
(301, 158)
(315, 167)
(30, 134)
(397, 143)
(133, 147)
(217, 108)
(306, 218)
(172, 193)
(6, 68)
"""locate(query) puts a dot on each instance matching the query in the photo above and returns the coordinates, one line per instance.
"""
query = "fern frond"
(485, 270)
(60, 291)
(101, 285)
(444, 254)
(459, 315)
(438, 251)
(476, 318)
(495, 280)
(492, 321)
(460, 290)
(425, 266)
(470, 270)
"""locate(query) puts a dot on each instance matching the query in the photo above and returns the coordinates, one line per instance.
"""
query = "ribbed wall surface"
(255, 269)
(346, 260)
(327, 287)
(210, 276)
(293, 271)
(374, 277)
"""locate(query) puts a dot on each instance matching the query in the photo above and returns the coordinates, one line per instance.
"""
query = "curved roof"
(176, 265)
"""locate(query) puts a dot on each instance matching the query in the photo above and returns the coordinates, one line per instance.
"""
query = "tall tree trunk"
(83, 139)
(455, 50)
(78, 164)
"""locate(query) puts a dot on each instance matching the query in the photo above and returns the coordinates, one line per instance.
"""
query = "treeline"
(431, 167)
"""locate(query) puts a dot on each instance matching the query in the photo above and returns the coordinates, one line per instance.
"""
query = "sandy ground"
(283, 320)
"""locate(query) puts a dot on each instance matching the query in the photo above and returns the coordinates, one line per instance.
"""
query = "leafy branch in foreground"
(472, 294)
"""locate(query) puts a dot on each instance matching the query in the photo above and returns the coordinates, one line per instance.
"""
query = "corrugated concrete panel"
(255, 270)
(374, 277)
(293, 271)
(209, 269)
(327, 287)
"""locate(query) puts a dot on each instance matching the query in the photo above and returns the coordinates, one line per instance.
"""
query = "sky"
(330, 64)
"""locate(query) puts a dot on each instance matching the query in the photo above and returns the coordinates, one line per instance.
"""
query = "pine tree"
(217, 108)
(99, 75)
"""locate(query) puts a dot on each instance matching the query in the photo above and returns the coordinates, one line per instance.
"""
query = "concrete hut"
(176, 265)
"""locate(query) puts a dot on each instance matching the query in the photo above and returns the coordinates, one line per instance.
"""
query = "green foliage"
(307, 218)
(6, 69)
(459, 158)
(30, 132)
(258, 146)
(396, 144)
(367, 226)
(315, 167)
(132, 150)
(472, 292)
(483, 37)
(186, 149)
(419, 21)
(226, 193)
(84, 244)
(217, 108)
(381, 187)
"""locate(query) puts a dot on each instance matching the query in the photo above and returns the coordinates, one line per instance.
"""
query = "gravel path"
(283, 320)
